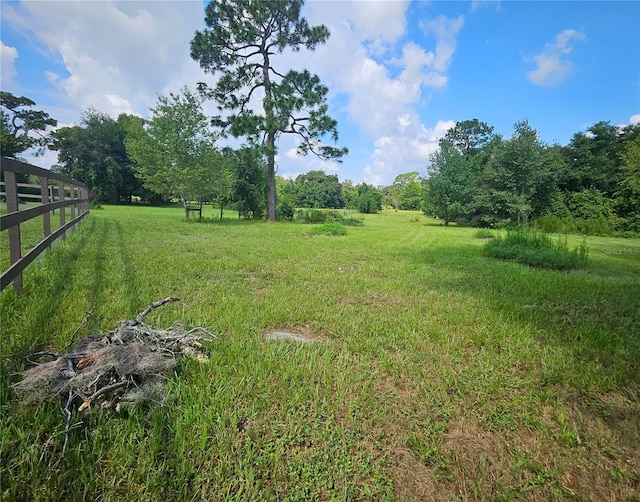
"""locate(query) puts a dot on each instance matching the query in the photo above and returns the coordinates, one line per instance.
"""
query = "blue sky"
(400, 73)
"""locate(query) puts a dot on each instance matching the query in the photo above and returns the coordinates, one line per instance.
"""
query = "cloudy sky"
(400, 73)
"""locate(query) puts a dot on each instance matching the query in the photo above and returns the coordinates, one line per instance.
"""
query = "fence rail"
(70, 193)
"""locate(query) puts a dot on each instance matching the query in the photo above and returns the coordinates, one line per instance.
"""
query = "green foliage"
(479, 179)
(593, 160)
(94, 152)
(628, 197)
(367, 199)
(315, 189)
(284, 210)
(484, 233)
(248, 185)
(319, 216)
(21, 127)
(286, 198)
(330, 228)
(328, 215)
(174, 153)
(239, 45)
(454, 171)
(406, 191)
(537, 249)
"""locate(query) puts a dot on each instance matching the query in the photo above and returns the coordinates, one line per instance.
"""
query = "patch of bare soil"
(601, 461)
(300, 334)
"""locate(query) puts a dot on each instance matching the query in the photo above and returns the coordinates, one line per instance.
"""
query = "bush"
(350, 221)
(284, 210)
(537, 250)
(483, 233)
(319, 216)
(328, 216)
(555, 224)
(331, 228)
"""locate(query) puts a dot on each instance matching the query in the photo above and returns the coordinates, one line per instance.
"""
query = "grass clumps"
(315, 216)
(484, 233)
(330, 228)
(537, 249)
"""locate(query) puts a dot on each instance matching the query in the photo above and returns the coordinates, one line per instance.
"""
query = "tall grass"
(438, 372)
(537, 249)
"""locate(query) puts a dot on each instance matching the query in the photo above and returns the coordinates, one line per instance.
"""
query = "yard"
(436, 373)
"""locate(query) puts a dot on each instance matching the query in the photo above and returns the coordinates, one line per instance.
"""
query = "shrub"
(284, 210)
(537, 250)
(350, 221)
(483, 233)
(313, 216)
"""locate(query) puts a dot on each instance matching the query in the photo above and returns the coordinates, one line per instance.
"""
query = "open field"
(437, 373)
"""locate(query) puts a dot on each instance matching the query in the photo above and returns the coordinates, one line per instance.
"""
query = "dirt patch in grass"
(582, 449)
(300, 334)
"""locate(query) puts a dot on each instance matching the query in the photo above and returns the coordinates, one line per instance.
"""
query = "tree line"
(175, 155)
(258, 102)
(476, 177)
(591, 185)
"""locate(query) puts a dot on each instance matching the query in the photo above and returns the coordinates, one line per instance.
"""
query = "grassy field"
(438, 373)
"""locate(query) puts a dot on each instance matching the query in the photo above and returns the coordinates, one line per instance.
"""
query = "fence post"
(72, 196)
(46, 219)
(15, 248)
(63, 210)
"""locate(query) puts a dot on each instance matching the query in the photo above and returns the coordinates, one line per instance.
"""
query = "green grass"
(537, 249)
(444, 374)
(330, 228)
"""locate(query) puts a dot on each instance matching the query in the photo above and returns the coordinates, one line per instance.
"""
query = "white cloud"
(394, 155)
(380, 78)
(476, 4)
(552, 65)
(445, 30)
(118, 55)
(8, 56)
(634, 119)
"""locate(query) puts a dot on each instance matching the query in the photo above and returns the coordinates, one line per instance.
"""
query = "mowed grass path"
(440, 374)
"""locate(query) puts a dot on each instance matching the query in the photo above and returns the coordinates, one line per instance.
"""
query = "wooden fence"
(56, 192)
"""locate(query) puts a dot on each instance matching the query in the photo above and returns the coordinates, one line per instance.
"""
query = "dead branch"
(127, 365)
(155, 305)
(98, 393)
(67, 412)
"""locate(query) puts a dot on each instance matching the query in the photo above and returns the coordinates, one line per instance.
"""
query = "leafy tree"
(406, 191)
(349, 194)
(174, 152)
(628, 198)
(593, 160)
(94, 153)
(286, 197)
(240, 43)
(368, 199)
(249, 182)
(452, 188)
(514, 176)
(22, 128)
(318, 190)
(469, 137)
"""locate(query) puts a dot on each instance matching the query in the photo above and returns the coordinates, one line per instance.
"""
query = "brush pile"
(129, 364)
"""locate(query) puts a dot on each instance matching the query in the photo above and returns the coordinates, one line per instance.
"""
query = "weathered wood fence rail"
(70, 193)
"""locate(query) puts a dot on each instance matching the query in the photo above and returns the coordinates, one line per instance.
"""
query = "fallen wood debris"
(127, 365)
